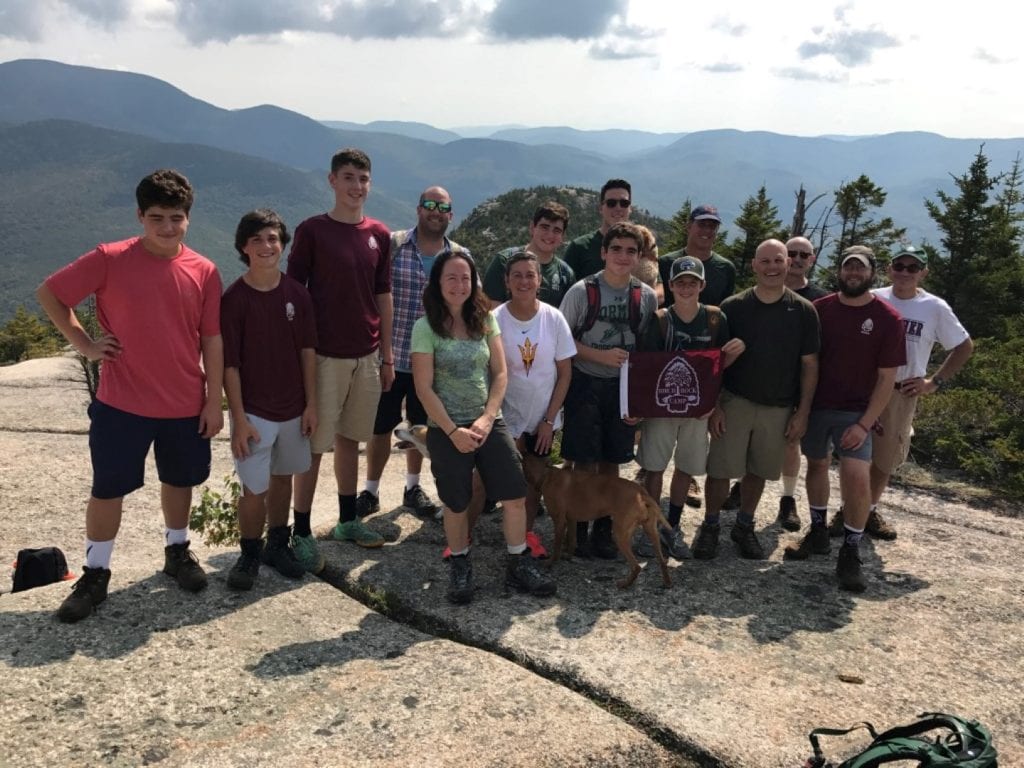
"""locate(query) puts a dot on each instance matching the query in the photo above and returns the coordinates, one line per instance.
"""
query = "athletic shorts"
(754, 441)
(389, 409)
(281, 450)
(686, 438)
(497, 461)
(593, 430)
(347, 393)
(891, 448)
(824, 431)
(119, 442)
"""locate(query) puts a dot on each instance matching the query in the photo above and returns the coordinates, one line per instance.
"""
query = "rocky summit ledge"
(369, 666)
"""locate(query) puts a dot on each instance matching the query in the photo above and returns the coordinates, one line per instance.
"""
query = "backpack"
(967, 744)
(39, 567)
(714, 318)
(594, 305)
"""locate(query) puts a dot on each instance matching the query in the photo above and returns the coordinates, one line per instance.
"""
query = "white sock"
(411, 481)
(98, 553)
(461, 552)
(788, 485)
(373, 486)
(175, 536)
(516, 550)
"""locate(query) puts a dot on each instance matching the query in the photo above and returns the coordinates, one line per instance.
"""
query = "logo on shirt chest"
(867, 327)
(289, 311)
(372, 244)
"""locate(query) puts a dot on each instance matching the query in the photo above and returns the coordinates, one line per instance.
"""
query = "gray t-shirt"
(611, 329)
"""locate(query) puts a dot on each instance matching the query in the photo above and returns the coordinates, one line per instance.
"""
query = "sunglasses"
(611, 202)
(433, 205)
(911, 268)
(799, 254)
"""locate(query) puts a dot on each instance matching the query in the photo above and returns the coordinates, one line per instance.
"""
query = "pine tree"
(759, 220)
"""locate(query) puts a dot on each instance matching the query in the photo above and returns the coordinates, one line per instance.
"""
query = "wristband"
(866, 429)
(454, 430)
(548, 421)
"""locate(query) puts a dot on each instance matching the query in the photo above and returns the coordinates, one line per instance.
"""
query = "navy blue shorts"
(389, 407)
(594, 431)
(119, 442)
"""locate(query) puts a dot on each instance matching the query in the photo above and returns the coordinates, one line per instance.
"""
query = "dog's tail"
(655, 508)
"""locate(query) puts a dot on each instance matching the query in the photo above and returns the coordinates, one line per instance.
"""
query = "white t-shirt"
(531, 350)
(927, 319)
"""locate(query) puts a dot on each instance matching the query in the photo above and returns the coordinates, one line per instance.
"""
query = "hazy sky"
(802, 67)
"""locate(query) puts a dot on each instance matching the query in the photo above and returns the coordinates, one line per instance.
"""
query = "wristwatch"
(546, 420)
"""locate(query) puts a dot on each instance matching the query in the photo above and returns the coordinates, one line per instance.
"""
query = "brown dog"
(576, 496)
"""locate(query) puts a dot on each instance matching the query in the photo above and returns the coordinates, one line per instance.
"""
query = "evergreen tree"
(677, 225)
(759, 220)
(27, 335)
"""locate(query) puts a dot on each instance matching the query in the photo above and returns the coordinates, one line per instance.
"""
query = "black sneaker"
(878, 528)
(732, 501)
(89, 591)
(416, 499)
(367, 504)
(601, 544)
(746, 542)
(788, 517)
(814, 543)
(522, 574)
(182, 564)
(279, 554)
(836, 528)
(848, 570)
(243, 573)
(705, 543)
(460, 580)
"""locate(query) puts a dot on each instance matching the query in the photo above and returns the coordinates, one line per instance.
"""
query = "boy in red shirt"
(158, 302)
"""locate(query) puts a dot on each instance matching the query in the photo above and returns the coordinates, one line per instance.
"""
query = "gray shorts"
(282, 450)
(824, 431)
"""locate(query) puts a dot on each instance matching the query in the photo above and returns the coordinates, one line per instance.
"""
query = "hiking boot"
(746, 542)
(732, 501)
(694, 494)
(522, 574)
(788, 517)
(536, 548)
(416, 499)
(848, 570)
(279, 555)
(367, 504)
(601, 544)
(89, 591)
(815, 542)
(836, 528)
(308, 553)
(244, 572)
(356, 530)
(705, 544)
(672, 544)
(181, 563)
(460, 580)
(878, 528)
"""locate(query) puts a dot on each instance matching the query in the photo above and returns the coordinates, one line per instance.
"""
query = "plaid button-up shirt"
(408, 280)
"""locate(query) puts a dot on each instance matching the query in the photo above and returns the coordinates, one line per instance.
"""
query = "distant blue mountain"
(614, 142)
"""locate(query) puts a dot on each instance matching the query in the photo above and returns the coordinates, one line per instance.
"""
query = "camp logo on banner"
(671, 384)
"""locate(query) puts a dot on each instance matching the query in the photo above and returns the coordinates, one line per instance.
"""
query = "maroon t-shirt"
(855, 343)
(264, 333)
(344, 266)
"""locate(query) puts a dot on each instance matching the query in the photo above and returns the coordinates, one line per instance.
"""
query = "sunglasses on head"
(911, 268)
(611, 202)
(799, 254)
(433, 205)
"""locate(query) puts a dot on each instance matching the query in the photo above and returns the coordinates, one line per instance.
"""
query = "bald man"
(412, 255)
(801, 261)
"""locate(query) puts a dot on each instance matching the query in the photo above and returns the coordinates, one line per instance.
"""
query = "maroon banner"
(681, 385)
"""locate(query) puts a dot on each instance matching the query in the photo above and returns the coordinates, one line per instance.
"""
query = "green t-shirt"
(583, 255)
(719, 278)
(682, 336)
(556, 277)
(461, 369)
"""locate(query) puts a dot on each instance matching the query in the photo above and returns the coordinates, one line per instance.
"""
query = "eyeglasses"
(611, 202)
(799, 254)
(911, 268)
(433, 205)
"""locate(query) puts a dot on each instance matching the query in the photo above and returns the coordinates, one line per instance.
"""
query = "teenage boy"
(344, 258)
(547, 228)
(267, 321)
(685, 325)
(861, 348)
(413, 253)
(158, 302)
(596, 437)
(801, 261)
(584, 254)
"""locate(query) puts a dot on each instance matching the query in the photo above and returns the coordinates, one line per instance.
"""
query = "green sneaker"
(355, 530)
(308, 553)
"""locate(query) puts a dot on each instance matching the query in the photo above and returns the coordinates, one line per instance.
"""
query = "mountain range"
(74, 141)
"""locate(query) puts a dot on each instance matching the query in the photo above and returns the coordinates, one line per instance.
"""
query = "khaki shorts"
(687, 438)
(754, 441)
(347, 393)
(891, 448)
